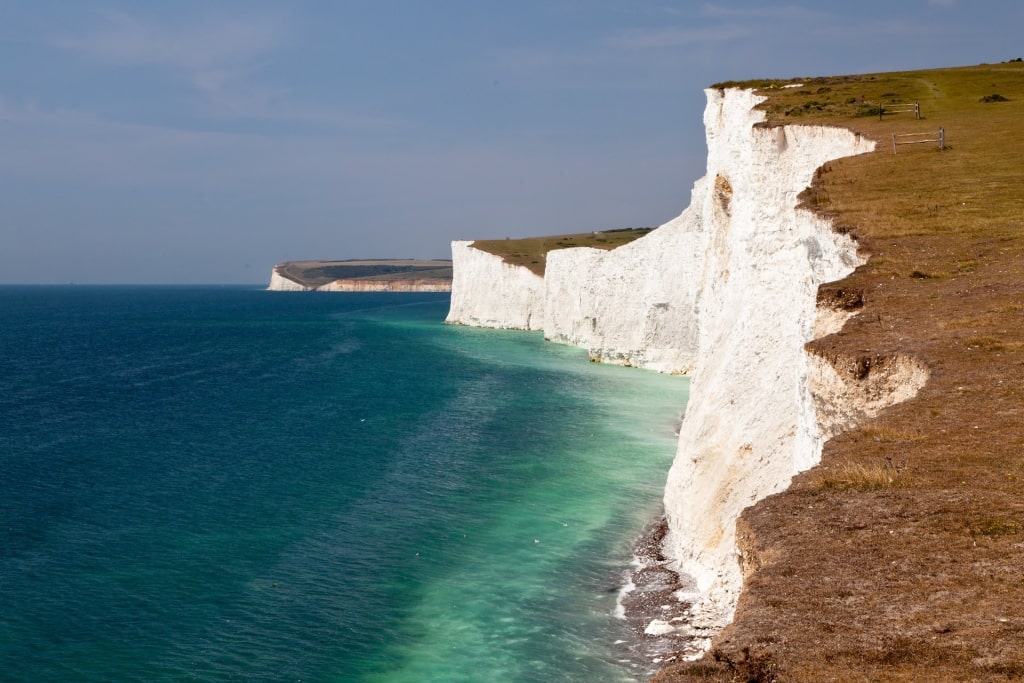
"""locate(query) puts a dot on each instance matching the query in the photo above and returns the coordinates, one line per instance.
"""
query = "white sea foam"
(626, 588)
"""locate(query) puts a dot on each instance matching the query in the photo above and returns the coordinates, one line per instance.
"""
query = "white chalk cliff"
(726, 292)
(487, 292)
(280, 283)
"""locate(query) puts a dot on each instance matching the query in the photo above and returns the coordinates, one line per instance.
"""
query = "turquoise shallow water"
(230, 484)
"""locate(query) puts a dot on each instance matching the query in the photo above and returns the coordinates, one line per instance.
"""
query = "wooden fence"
(919, 138)
(898, 108)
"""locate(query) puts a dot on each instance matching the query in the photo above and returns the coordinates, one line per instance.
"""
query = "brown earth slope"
(901, 557)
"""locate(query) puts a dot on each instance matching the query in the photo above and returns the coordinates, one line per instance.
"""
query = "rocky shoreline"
(657, 605)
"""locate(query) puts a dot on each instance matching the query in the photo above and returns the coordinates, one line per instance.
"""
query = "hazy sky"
(204, 141)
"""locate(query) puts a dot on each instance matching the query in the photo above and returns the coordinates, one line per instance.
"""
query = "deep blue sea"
(229, 484)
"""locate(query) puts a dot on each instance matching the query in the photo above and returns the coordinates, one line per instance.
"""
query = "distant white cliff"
(280, 283)
(726, 292)
(395, 282)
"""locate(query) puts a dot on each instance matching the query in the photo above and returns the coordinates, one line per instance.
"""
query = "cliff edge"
(899, 556)
(726, 292)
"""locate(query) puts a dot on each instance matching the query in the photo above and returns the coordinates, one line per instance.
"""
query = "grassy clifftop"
(901, 557)
(531, 252)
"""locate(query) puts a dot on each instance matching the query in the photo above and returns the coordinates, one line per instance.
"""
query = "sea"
(230, 484)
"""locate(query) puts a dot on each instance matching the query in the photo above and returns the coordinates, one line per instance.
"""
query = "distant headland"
(376, 275)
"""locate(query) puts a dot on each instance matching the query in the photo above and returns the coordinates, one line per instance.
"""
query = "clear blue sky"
(204, 141)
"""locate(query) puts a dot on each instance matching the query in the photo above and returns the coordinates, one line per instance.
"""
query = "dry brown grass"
(862, 579)
(865, 476)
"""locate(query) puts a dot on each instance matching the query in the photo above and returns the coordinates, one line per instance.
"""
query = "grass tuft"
(994, 527)
(750, 668)
(866, 476)
(921, 275)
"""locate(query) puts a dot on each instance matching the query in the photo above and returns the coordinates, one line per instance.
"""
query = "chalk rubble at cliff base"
(726, 292)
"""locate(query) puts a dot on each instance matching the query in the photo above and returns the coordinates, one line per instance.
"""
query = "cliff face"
(411, 285)
(751, 423)
(727, 291)
(487, 292)
(279, 283)
(634, 305)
